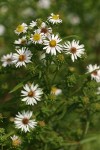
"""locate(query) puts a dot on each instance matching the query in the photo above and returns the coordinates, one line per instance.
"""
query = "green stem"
(46, 81)
(82, 141)
(80, 147)
(86, 128)
(8, 135)
(77, 90)
(46, 147)
(46, 75)
(88, 140)
(54, 77)
(71, 36)
(2, 147)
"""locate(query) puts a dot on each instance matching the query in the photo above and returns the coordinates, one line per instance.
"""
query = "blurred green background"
(80, 17)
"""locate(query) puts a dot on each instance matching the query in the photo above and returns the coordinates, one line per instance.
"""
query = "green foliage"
(69, 121)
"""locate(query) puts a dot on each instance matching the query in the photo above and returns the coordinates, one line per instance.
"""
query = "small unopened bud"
(60, 58)
(97, 106)
(11, 119)
(85, 100)
(41, 123)
(72, 69)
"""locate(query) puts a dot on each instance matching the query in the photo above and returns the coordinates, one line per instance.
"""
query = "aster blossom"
(31, 93)
(45, 29)
(94, 70)
(37, 37)
(56, 91)
(22, 57)
(54, 19)
(33, 24)
(16, 141)
(7, 60)
(52, 44)
(21, 41)
(74, 49)
(22, 28)
(24, 122)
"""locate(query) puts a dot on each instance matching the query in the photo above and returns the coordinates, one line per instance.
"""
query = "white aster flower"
(7, 60)
(56, 91)
(22, 41)
(74, 49)
(54, 19)
(95, 72)
(16, 141)
(98, 90)
(37, 37)
(23, 121)
(31, 93)
(52, 44)
(45, 30)
(22, 28)
(22, 57)
(33, 24)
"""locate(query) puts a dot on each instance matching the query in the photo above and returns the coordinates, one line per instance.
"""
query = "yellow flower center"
(52, 43)
(73, 50)
(55, 17)
(31, 94)
(16, 142)
(20, 28)
(36, 37)
(53, 90)
(21, 57)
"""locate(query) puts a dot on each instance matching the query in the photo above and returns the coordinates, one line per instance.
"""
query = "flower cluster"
(31, 93)
(41, 34)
